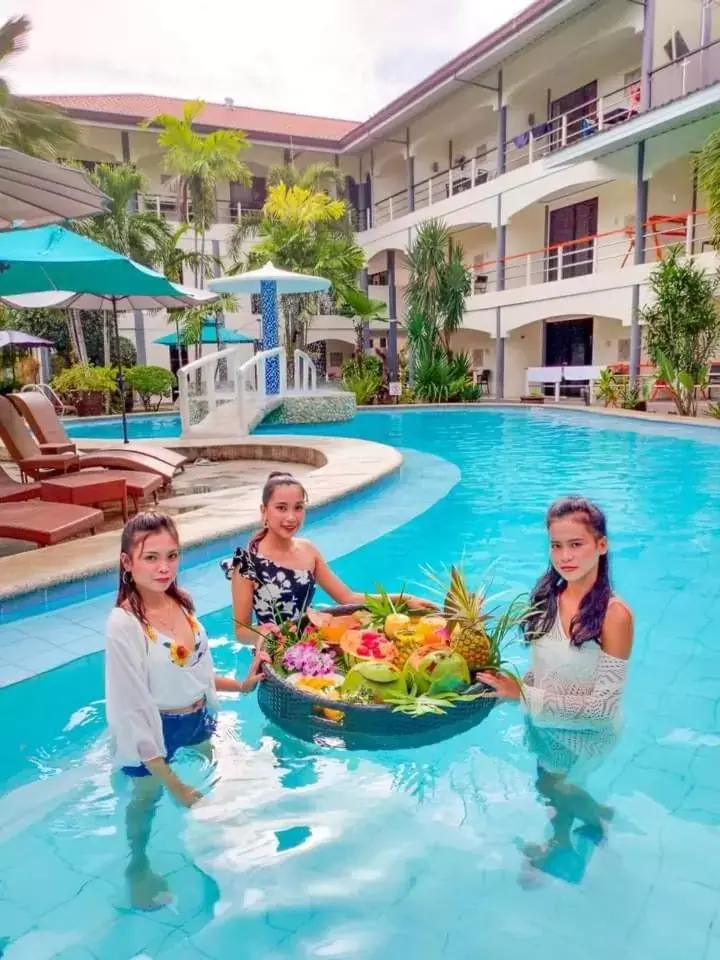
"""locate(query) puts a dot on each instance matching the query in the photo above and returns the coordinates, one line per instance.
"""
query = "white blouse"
(573, 687)
(146, 672)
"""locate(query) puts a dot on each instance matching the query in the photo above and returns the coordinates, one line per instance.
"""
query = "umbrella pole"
(120, 379)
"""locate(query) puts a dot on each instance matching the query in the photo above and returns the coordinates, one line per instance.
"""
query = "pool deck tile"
(344, 466)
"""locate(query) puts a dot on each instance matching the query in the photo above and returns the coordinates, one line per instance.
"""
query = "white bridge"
(222, 395)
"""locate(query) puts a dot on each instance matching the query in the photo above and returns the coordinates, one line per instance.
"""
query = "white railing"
(305, 371)
(223, 393)
(614, 250)
(167, 205)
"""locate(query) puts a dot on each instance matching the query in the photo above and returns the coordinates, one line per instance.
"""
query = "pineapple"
(408, 640)
(467, 623)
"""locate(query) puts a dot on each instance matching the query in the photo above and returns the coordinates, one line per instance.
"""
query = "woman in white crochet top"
(581, 637)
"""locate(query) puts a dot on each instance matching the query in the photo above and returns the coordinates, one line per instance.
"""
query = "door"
(576, 106)
(572, 228)
(569, 343)
(178, 358)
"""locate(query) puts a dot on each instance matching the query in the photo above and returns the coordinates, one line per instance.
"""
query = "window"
(383, 343)
(378, 279)
(255, 303)
(336, 359)
(478, 359)
(623, 351)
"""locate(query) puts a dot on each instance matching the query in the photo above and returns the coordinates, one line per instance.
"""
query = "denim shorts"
(180, 730)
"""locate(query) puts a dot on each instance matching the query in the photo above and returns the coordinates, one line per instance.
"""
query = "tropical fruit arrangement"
(416, 662)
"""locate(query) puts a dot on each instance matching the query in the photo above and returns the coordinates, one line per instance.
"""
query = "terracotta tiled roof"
(133, 108)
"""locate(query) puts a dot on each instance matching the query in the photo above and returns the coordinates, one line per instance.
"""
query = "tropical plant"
(607, 388)
(83, 378)
(364, 384)
(316, 177)
(438, 282)
(707, 167)
(150, 382)
(199, 162)
(442, 380)
(682, 326)
(630, 395)
(301, 231)
(714, 410)
(361, 309)
(27, 125)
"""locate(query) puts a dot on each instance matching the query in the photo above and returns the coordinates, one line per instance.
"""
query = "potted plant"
(634, 397)
(85, 387)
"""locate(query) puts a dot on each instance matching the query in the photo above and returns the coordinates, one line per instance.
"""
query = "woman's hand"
(255, 673)
(184, 795)
(503, 686)
(417, 603)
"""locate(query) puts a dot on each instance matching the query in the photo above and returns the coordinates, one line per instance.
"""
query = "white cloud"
(342, 58)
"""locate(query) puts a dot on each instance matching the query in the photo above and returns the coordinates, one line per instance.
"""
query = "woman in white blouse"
(581, 637)
(161, 690)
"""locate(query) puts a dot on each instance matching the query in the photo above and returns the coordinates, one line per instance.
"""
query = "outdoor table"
(86, 489)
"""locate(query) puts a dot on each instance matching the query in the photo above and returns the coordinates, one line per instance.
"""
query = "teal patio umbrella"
(209, 334)
(55, 259)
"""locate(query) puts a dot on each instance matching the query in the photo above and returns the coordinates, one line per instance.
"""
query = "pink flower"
(305, 658)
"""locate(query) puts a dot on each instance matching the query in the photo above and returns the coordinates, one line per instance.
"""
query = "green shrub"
(150, 382)
(365, 386)
(83, 378)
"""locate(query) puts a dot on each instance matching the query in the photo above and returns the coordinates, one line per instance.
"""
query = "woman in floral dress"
(276, 575)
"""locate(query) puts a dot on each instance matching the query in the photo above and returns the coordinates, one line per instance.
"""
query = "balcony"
(166, 205)
(589, 256)
(686, 75)
(521, 150)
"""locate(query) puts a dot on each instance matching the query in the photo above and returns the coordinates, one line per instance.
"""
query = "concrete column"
(364, 286)
(140, 343)
(646, 66)
(499, 341)
(641, 215)
(411, 183)
(501, 128)
(392, 348)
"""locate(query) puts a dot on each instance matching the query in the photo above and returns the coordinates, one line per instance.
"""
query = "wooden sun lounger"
(52, 437)
(32, 462)
(47, 523)
(13, 492)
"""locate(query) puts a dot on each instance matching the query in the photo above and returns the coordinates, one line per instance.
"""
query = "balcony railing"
(167, 205)
(686, 75)
(674, 81)
(597, 253)
(445, 183)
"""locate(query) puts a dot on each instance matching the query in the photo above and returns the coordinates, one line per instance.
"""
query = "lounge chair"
(52, 437)
(12, 492)
(47, 523)
(32, 462)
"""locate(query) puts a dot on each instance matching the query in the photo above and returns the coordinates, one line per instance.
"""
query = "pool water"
(160, 426)
(306, 851)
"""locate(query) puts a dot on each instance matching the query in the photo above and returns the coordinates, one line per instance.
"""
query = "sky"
(334, 58)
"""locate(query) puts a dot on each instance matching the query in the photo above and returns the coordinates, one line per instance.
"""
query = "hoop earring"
(126, 578)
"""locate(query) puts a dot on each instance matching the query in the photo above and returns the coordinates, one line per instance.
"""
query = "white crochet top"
(573, 687)
(146, 672)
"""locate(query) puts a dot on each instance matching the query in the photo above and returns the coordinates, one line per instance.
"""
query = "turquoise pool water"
(304, 852)
(159, 427)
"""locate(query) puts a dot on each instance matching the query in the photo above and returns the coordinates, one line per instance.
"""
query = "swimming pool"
(160, 426)
(303, 852)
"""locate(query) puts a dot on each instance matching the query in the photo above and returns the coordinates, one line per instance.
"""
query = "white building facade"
(559, 152)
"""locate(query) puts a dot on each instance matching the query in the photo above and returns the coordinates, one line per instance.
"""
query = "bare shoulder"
(617, 632)
(308, 547)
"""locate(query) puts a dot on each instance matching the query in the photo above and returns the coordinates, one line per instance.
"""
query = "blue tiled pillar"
(270, 336)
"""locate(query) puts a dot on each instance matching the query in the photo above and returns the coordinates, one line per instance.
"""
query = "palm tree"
(199, 162)
(363, 310)
(140, 235)
(26, 125)
(317, 177)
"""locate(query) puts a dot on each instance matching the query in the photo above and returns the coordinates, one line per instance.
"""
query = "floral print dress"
(280, 593)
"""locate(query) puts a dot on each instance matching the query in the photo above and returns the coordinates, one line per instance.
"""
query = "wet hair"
(276, 479)
(587, 623)
(135, 533)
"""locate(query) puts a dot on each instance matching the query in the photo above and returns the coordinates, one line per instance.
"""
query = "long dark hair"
(135, 532)
(588, 621)
(276, 479)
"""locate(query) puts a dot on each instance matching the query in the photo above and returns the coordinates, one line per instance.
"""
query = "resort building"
(559, 150)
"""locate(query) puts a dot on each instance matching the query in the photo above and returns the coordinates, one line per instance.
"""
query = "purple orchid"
(305, 658)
